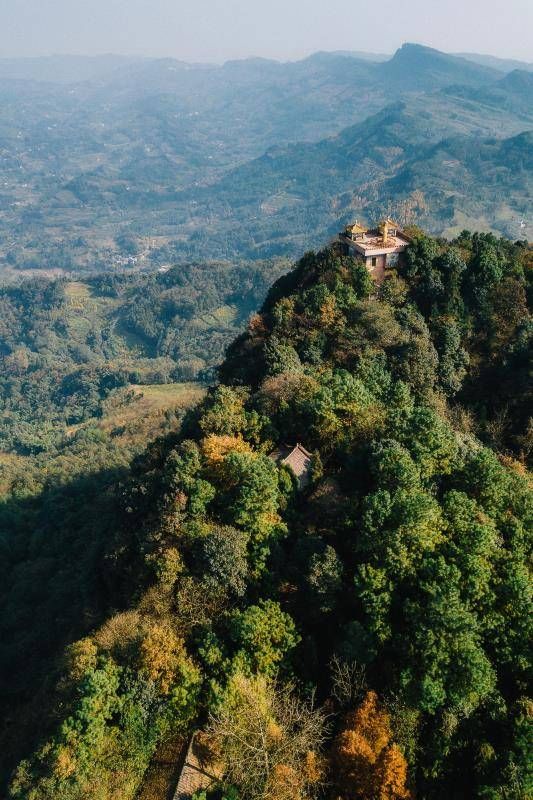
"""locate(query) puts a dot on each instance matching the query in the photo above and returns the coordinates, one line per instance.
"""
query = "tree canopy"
(403, 566)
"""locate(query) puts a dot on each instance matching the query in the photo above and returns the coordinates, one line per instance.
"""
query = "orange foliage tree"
(368, 766)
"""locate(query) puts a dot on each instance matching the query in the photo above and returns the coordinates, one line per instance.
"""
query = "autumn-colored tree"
(269, 740)
(161, 652)
(329, 313)
(368, 766)
(297, 782)
(216, 448)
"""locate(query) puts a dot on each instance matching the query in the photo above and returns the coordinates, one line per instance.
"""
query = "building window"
(374, 261)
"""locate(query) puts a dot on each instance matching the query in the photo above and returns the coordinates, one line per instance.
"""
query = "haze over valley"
(109, 162)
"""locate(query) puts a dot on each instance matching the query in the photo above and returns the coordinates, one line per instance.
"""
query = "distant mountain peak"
(416, 67)
(355, 55)
(517, 80)
(253, 62)
(407, 47)
(410, 50)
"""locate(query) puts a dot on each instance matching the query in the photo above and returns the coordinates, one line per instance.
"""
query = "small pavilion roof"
(388, 221)
(356, 227)
(298, 459)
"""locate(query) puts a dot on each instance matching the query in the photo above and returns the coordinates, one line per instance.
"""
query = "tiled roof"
(299, 461)
(388, 221)
(195, 775)
(373, 241)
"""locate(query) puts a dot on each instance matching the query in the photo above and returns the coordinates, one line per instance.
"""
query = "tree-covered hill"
(463, 180)
(366, 636)
(513, 92)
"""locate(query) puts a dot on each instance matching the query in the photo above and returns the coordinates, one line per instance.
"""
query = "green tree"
(447, 666)
(224, 553)
(264, 636)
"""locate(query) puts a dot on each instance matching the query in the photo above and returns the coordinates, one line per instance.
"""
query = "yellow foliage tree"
(329, 313)
(368, 765)
(216, 448)
(81, 656)
(65, 762)
(161, 652)
(393, 774)
(284, 783)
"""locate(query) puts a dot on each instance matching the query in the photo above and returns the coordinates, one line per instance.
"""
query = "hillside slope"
(417, 68)
(390, 593)
(513, 93)
(405, 160)
(70, 349)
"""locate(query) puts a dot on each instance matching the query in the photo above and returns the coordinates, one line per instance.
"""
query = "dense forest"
(366, 636)
(71, 351)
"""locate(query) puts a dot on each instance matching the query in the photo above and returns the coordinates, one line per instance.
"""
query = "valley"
(152, 162)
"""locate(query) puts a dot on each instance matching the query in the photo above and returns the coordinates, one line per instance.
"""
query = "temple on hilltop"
(378, 247)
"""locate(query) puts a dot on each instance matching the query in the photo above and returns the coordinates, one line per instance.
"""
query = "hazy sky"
(215, 30)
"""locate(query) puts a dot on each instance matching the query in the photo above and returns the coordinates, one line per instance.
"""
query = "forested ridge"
(365, 637)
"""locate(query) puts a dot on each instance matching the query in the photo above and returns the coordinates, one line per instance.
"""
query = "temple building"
(298, 460)
(378, 247)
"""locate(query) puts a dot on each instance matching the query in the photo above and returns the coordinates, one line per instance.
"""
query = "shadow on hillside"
(61, 575)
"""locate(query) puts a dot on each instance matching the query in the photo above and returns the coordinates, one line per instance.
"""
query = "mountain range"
(179, 160)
